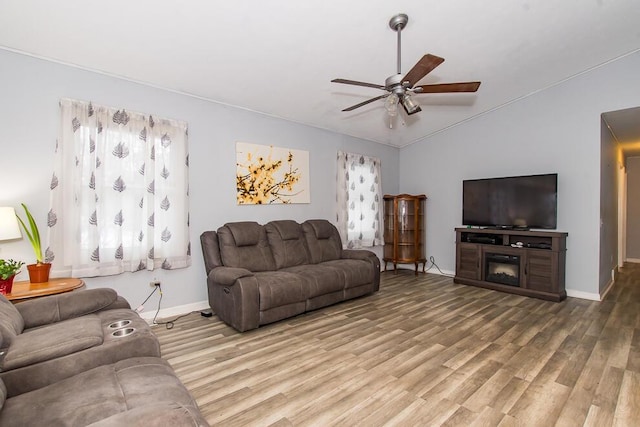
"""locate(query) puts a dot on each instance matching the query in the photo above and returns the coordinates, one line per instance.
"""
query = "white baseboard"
(204, 305)
(607, 289)
(583, 295)
(175, 311)
(634, 260)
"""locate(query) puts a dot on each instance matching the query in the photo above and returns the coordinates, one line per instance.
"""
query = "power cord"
(140, 307)
(432, 260)
(169, 324)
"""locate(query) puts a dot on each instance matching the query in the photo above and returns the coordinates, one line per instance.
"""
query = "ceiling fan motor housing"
(394, 84)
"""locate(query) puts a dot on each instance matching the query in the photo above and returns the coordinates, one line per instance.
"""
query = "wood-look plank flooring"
(423, 351)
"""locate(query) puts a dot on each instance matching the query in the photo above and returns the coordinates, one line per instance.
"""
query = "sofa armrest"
(234, 297)
(358, 254)
(55, 308)
(227, 276)
(366, 255)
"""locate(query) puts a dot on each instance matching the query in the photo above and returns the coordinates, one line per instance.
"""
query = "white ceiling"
(278, 57)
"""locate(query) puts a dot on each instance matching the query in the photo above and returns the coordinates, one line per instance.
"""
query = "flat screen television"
(511, 202)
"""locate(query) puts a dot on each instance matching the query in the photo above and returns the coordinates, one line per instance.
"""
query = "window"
(359, 197)
(119, 192)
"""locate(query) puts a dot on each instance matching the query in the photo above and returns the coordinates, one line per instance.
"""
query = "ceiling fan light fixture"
(410, 105)
(391, 105)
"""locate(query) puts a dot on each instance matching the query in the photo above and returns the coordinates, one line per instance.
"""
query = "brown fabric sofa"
(133, 392)
(45, 340)
(261, 274)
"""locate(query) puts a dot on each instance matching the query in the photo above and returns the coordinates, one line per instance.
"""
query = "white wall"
(30, 89)
(610, 162)
(555, 130)
(633, 208)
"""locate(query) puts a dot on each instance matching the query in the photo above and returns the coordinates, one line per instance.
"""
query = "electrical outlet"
(154, 283)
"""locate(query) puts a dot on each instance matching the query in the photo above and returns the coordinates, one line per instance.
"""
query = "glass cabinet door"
(403, 227)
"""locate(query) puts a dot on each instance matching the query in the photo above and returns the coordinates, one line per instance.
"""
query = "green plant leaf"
(33, 235)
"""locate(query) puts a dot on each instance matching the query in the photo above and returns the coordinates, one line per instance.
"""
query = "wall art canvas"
(269, 175)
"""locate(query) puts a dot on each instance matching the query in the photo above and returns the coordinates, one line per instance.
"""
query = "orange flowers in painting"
(267, 175)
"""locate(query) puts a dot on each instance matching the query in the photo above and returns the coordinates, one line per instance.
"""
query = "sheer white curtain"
(119, 192)
(359, 199)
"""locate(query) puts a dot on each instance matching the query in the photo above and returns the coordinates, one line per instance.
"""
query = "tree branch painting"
(271, 175)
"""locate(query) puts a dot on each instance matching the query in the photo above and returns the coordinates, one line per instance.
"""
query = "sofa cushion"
(278, 288)
(153, 414)
(287, 243)
(356, 272)
(323, 240)
(11, 321)
(245, 245)
(3, 393)
(103, 392)
(53, 341)
(245, 233)
(322, 228)
(319, 279)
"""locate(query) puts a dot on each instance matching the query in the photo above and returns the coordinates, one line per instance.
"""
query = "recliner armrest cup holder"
(123, 332)
(119, 324)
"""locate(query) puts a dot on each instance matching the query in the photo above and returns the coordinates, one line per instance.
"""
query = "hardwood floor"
(422, 351)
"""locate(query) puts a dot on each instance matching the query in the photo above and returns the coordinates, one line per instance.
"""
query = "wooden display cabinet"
(404, 230)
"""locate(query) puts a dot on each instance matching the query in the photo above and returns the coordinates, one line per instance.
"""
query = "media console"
(529, 263)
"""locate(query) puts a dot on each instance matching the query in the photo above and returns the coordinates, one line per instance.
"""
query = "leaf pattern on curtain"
(52, 218)
(119, 219)
(93, 218)
(54, 182)
(358, 195)
(120, 117)
(121, 151)
(119, 192)
(119, 185)
(49, 256)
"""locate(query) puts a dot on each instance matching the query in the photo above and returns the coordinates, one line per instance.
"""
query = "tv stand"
(529, 263)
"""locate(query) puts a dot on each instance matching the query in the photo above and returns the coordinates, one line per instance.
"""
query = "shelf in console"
(532, 239)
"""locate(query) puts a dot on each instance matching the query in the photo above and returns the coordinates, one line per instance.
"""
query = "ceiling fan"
(400, 89)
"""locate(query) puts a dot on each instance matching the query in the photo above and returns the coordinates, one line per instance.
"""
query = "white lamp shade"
(9, 228)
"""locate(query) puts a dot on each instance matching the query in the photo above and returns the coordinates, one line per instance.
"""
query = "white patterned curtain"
(120, 195)
(359, 199)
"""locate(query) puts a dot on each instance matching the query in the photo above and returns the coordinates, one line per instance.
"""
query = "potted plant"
(8, 270)
(38, 272)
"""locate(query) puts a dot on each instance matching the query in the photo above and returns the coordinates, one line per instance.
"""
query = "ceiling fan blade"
(356, 83)
(368, 101)
(448, 87)
(426, 64)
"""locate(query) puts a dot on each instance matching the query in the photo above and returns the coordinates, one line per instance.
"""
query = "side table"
(26, 290)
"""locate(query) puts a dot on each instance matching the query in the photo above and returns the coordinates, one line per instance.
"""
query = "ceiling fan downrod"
(397, 24)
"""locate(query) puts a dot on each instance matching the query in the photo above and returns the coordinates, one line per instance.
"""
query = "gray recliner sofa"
(259, 274)
(45, 340)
